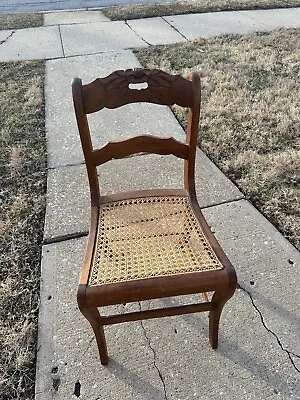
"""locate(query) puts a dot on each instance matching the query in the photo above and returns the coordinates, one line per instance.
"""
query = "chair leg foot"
(93, 316)
(101, 342)
(214, 318)
(219, 299)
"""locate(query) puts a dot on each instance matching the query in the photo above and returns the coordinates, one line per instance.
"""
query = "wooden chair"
(147, 244)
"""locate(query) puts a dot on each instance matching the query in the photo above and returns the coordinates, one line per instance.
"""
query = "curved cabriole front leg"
(219, 299)
(93, 316)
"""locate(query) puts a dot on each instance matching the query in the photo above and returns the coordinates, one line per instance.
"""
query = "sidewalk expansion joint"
(75, 164)
(121, 50)
(61, 42)
(223, 202)
(126, 23)
(63, 238)
(288, 352)
(154, 356)
(66, 165)
(9, 36)
(175, 29)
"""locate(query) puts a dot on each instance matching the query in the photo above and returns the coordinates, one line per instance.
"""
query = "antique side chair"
(147, 244)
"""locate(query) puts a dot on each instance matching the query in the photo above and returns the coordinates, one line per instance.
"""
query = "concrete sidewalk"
(75, 33)
(258, 354)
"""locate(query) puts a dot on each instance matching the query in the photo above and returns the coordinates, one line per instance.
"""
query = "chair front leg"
(219, 299)
(93, 316)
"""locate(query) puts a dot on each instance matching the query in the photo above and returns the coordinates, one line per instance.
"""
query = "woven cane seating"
(147, 237)
(147, 244)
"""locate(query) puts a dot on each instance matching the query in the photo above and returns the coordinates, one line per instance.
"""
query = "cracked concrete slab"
(241, 367)
(266, 265)
(66, 349)
(283, 328)
(166, 358)
(63, 143)
(74, 17)
(154, 359)
(94, 38)
(32, 44)
(5, 35)
(155, 31)
(68, 201)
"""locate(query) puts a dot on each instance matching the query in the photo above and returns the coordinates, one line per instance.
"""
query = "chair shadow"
(140, 385)
(232, 351)
(276, 307)
(228, 349)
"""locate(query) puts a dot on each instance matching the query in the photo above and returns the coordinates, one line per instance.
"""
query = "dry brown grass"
(251, 114)
(136, 11)
(22, 198)
(20, 21)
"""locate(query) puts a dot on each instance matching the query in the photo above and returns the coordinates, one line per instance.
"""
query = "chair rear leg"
(219, 299)
(93, 316)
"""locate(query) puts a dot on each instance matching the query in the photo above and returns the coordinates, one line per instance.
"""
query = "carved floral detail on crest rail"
(155, 78)
(113, 91)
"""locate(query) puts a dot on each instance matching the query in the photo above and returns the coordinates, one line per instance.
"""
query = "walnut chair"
(147, 244)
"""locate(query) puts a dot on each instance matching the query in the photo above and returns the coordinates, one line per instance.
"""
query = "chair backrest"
(114, 91)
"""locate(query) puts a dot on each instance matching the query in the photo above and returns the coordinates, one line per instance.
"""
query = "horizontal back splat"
(114, 91)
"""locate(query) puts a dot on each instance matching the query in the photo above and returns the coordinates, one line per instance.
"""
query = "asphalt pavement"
(21, 6)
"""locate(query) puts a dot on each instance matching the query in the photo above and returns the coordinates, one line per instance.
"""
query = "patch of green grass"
(22, 198)
(20, 21)
(250, 124)
(136, 11)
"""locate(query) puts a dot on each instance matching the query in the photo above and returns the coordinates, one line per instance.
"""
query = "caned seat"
(152, 243)
(147, 237)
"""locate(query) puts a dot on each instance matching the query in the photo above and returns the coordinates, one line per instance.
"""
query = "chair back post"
(192, 135)
(86, 141)
(112, 92)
